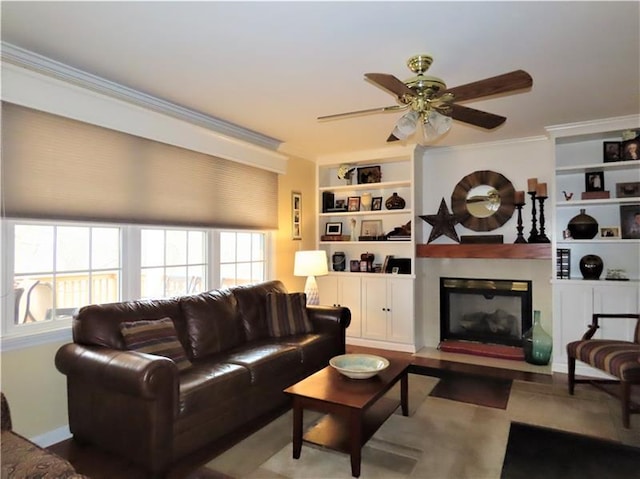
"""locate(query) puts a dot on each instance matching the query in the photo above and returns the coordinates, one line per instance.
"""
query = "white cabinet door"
(400, 310)
(374, 308)
(343, 291)
(616, 298)
(573, 308)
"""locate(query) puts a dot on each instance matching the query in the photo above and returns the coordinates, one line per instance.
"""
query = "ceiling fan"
(432, 105)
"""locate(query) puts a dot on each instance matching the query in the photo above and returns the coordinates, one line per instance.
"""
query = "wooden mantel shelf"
(493, 251)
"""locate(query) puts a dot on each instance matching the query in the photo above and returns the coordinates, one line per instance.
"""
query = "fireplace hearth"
(489, 311)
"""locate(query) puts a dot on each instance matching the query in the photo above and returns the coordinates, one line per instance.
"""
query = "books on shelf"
(399, 238)
(563, 266)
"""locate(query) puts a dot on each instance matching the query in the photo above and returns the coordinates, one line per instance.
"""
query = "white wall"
(439, 170)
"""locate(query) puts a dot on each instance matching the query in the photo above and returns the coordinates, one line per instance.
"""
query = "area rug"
(540, 452)
(479, 390)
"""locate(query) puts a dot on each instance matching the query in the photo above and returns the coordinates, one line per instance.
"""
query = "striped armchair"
(620, 359)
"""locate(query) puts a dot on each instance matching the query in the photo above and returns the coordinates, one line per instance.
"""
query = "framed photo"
(610, 232)
(354, 265)
(376, 203)
(369, 174)
(296, 215)
(333, 229)
(612, 151)
(594, 181)
(353, 203)
(371, 228)
(630, 221)
(631, 150)
(364, 266)
(628, 190)
(341, 204)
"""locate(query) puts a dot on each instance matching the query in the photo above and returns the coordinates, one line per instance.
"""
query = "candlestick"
(531, 184)
(519, 198)
(534, 230)
(541, 190)
(542, 238)
(520, 238)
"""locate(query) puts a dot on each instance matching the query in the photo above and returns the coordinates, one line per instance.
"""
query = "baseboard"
(371, 343)
(52, 437)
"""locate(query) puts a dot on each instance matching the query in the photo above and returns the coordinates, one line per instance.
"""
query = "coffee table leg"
(404, 394)
(297, 428)
(355, 438)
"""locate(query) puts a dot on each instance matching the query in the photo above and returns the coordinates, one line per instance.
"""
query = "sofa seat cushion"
(211, 384)
(156, 336)
(266, 359)
(23, 459)
(287, 314)
(618, 358)
(315, 349)
(212, 322)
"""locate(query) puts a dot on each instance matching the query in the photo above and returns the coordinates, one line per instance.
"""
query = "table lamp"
(311, 264)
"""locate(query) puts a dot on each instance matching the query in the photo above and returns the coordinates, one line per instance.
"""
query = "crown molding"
(54, 69)
(594, 126)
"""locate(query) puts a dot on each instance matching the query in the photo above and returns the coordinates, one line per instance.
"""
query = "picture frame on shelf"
(630, 221)
(609, 232)
(612, 151)
(353, 203)
(296, 215)
(354, 265)
(631, 150)
(594, 181)
(376, 203)
(628, 190)
(341, 204)
(369, 174)
(333, 228)
(371, 228)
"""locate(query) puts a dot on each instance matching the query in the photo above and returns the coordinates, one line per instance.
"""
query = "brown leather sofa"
(141, 407)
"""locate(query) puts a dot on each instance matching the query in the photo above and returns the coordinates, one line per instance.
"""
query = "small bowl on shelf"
(359, 366)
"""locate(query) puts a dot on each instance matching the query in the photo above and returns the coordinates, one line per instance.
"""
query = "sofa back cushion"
(252, 305)
(287, 314)
(212, 322)
(99, 324)
(157, 337)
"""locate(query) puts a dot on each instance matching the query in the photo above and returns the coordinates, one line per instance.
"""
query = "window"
(242, 258)
(173, 262)
(57, 269)
(52, 268)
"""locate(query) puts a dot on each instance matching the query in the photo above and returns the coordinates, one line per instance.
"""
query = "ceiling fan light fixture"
(434, 125)
(406, 125)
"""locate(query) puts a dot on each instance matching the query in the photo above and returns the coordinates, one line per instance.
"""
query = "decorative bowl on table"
(359, 366)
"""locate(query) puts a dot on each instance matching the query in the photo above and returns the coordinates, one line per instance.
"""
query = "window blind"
(56, 167)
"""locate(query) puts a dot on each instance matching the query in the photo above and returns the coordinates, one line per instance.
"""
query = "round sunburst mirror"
(483, 200)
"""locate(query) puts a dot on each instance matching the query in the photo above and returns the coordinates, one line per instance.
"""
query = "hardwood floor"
(100, 465)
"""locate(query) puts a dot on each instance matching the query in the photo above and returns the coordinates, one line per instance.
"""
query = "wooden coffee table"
(355, 408)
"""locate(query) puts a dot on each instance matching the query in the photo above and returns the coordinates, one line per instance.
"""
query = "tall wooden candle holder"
(533, 235)
(542, 238)
(520, 238)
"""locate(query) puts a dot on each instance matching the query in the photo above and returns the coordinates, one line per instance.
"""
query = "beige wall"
(36, 391)
(300, 177)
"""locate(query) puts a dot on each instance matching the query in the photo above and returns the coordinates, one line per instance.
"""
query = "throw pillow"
(157, 337)
(287, 314)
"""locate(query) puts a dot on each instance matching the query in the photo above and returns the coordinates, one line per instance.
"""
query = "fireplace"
(492, 311)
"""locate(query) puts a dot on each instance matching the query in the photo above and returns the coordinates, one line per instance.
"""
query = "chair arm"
(593, 327)
(128, 372)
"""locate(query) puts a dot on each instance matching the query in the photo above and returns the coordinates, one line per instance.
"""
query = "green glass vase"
(537, 343)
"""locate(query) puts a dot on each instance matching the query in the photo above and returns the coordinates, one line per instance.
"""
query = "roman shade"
(55, 167)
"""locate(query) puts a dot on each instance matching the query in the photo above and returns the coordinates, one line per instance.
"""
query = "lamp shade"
(310, 263)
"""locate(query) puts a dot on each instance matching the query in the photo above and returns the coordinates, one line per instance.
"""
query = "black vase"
(591, 266)
(395, 202)
(583, 226)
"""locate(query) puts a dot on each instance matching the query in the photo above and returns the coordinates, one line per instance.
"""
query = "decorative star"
(443, 223)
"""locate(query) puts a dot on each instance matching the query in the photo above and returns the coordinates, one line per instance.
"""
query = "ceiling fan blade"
(515, 80)
(363, 112)
(390, 83)
(392, 137)
(476, 117)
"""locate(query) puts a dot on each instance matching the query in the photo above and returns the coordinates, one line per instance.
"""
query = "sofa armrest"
(128, 372)
(333, 320)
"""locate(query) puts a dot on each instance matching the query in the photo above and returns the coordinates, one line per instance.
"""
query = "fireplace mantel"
(488, 251)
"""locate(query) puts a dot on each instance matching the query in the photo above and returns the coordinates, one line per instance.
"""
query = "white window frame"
(14, 337)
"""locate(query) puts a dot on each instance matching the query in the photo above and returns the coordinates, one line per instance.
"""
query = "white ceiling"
(273, 67)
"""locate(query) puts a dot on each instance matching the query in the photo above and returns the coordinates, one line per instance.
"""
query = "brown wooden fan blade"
(515, 80)
(476, 117)
(390, 83)
(363, 112)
